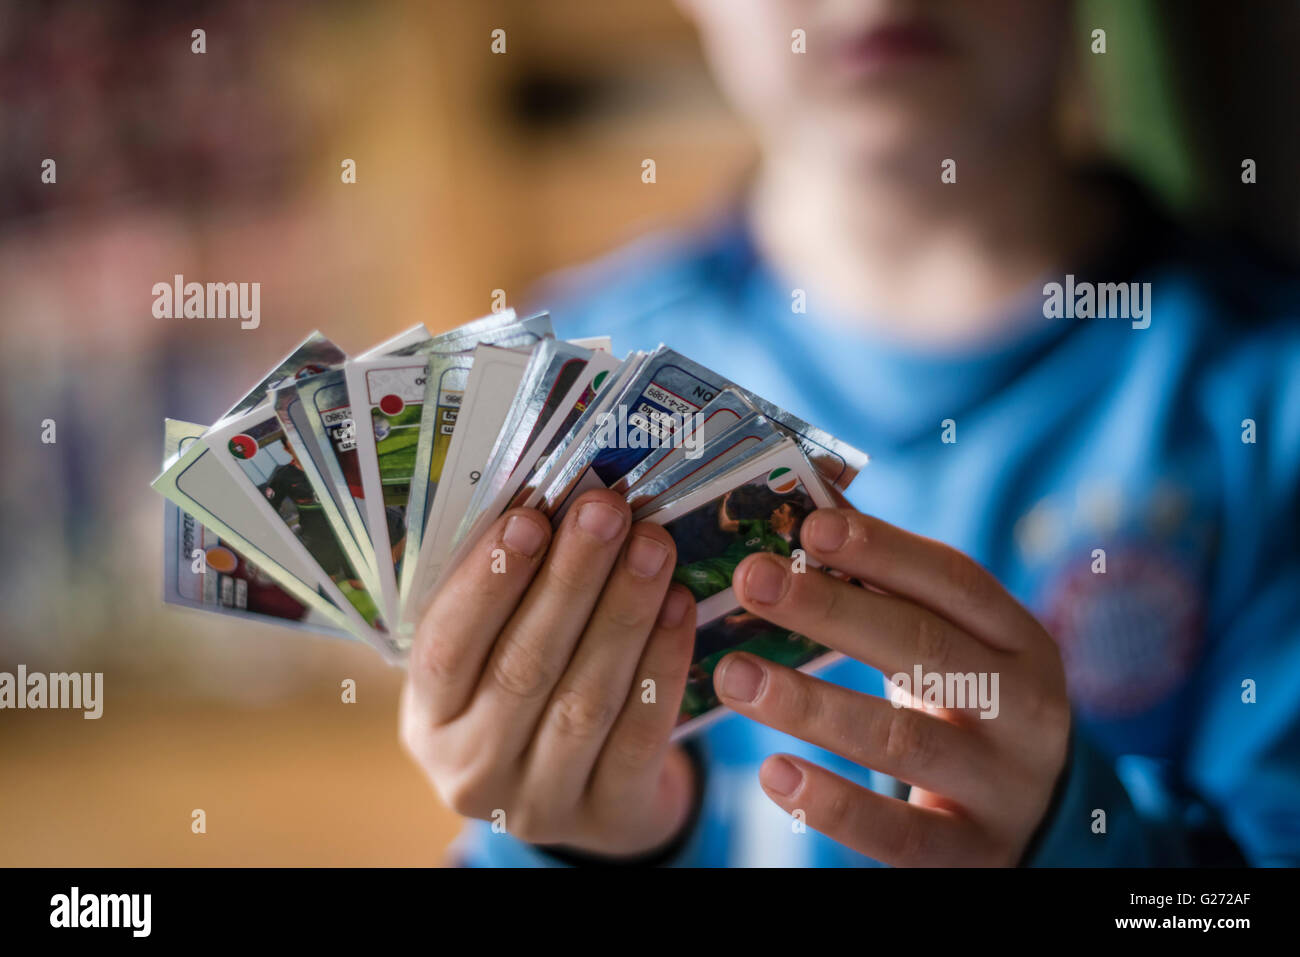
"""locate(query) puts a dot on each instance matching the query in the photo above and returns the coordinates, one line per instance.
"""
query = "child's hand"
(524, 694)
(979, 787)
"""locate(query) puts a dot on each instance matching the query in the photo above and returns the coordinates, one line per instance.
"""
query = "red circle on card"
(243, 446)
(391, 404)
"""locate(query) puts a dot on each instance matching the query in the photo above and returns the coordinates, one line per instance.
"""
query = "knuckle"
(837, 810)
(465, 794)
(909, 841)
(972, 586)
(439, 659)
(795, 698)
(822, 591)
(581, 714)
(520, 671)
(1047, 710)
(933, 643)
(909, 740)
(627, 614)
(637, 746)
(570, 571)
(534, 825)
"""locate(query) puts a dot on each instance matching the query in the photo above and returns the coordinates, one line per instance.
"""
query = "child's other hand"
(980, 786)
(524, 694)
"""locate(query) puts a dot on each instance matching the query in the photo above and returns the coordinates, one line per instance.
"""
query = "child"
(1129, 474)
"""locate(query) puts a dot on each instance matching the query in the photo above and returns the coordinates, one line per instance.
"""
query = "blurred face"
(888, 80)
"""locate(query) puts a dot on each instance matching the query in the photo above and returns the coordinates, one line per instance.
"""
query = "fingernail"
(523, 536)
(646, 556)
(779, 775)
(825, 530)
(765, 581)
(674, 609)
(741, 679)
(601, 521)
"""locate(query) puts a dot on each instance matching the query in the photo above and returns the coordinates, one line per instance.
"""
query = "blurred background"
(474, 172)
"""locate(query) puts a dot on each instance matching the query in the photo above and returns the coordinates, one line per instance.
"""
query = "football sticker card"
(201, 570)
(758, 507)
(254, 448)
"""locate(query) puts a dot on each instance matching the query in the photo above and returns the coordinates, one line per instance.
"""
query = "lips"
(914, 40)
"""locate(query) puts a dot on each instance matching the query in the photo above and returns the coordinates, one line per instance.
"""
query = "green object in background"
(1142, 124)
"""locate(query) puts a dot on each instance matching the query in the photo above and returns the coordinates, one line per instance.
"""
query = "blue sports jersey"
(1174, 448)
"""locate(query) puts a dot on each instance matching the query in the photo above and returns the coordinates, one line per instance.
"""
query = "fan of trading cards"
(337, 493)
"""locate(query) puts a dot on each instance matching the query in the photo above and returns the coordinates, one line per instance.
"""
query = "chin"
(897, 140)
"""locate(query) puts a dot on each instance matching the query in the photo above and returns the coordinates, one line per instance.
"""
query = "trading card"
(201, 570)
(313, 355)
(491, 328)
(757, 507)
(325, 414)
(601, 375)
(314, 459)
(444, 384)
(553, 401)
(567, 475)
(444, 389)
(448, 369)
(200, 485)
(594, 343)
(545, 438)
(550, 417)
(325, 406)
(751, 436)
(387, 395)
(667, 392)
(489, 390)
(722, 413)
(554, 368)
(673, 384)
(526, 406)
(253, 448)
(323, 419)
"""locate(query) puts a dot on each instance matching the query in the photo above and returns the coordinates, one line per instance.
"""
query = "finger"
(911, 745)
(640, 735)
(591, 693)
(462, 621)
(535, 645)
(883, 828)
(892, 634)
(930, 573)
